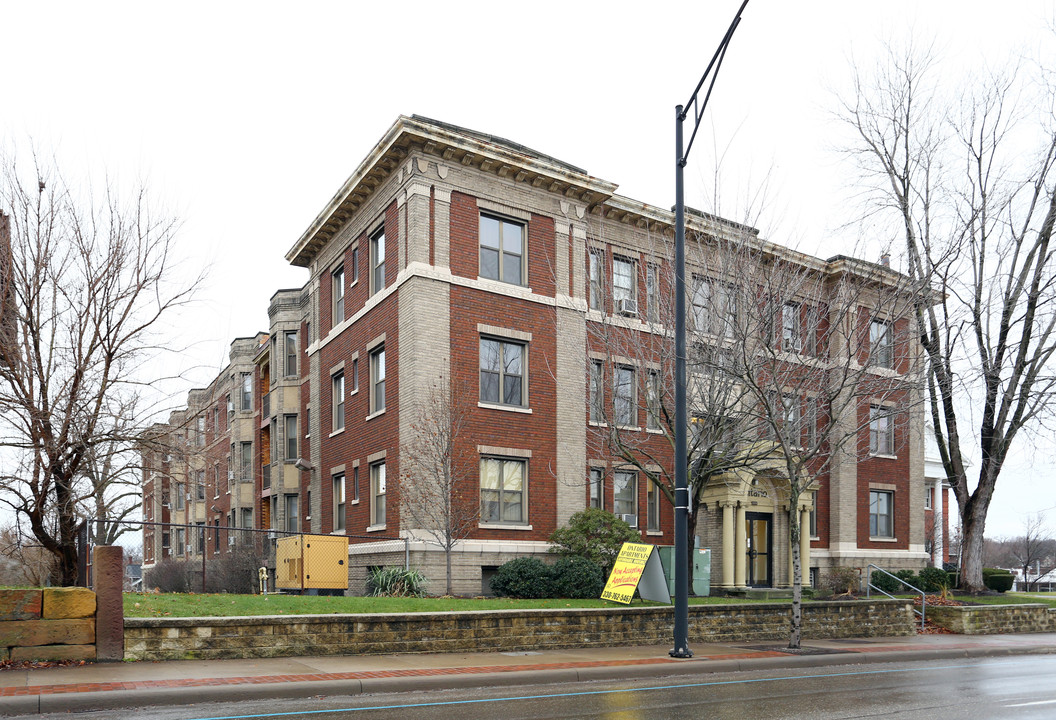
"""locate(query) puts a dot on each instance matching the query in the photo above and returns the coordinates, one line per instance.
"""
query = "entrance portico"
(752, 508)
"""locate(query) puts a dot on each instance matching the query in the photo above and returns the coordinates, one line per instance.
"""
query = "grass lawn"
(195, 605)
(1011, 598)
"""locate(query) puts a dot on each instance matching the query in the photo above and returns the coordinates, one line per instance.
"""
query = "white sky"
(244, 118)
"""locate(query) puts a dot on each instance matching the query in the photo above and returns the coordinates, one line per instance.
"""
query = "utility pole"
(681, 649)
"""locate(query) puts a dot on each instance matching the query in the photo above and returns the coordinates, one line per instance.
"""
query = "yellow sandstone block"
(68, 603)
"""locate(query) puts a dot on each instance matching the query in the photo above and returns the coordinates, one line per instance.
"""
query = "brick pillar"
(108, 567)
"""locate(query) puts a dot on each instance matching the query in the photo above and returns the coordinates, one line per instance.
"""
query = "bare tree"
(795, 365)
(437, 478)
(966, 178)
(1033, 547)
(89, 279)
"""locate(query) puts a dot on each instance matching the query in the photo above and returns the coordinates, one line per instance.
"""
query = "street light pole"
(681, 630)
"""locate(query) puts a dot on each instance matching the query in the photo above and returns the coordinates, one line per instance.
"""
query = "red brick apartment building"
(453, 259)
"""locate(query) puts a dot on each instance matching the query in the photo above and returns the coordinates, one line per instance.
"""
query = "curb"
(60, 701)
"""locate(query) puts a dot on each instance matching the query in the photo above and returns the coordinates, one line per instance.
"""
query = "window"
(337, 399)
(230, 411)
(652, 508)
(791, 420)
(928, 491)
(624, 406)
(292, 520)
(199, 431)
(177, 536)
(377, 261)
(200, 544)
(181, 496)
(247, 461)
(502, 250)
(216, 481)
(652, 409)
(377, 493)
(290, 342)
(597, 488)
(377, 380)
(625, 496)
(881, 518)
(596, 280)
(881, 350)
(714, 308)
(247, 517)
(652, 293)
(216, 420)
(355, 484)
(355, 264)
(355, 375)
(624, 295)
(881, 431)
(597, 391)
(790, 341)
(811, 322)
(337, 283)
(290, 422)
(247, 391)
(502, 372)
(813, 516)
(199, 485)
(810, 422)
(502, 490)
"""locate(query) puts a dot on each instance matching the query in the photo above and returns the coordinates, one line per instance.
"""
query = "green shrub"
(524, 577)
(999, 581)
(577, 578)
(843, 580)
(594, 534)
(933, 579)
(395, 582)
(884, 582)
(908, 577)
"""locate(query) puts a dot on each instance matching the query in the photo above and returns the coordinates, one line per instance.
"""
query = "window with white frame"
(337, 285)
(503, 485)
(791, 420)
(624, 403)
(377, 380)
(247, 461)
(292, 519)
(597, 487)
(714, 307)
(178, 541)
(881, 431)
(199, 431)
(377, 493)
(790, 331)
(928, 493)
(216, 480)
(338, 481)
(502, 250)
(337, 399)
(246, 391)
(377, 261)
(502, 365)
(881, 514)
(652, 508)
(625, 496)
(290, 423)
(653, 391)
(881, 345)
(181, 495)
(624, 286)
(652, 292)
(596, 279)
(199, 485)
(597, 391)
(290, 344)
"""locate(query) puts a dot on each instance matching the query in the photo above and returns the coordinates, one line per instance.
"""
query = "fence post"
(109, 571)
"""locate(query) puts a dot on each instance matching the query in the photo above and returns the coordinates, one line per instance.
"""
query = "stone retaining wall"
(47, 624)
(506, 630)
(994, 619)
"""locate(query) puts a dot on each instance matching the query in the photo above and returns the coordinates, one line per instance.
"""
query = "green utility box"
(701, 559)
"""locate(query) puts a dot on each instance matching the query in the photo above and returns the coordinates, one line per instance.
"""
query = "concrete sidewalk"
(113, 685)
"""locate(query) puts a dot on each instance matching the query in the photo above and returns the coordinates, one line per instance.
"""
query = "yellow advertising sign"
(634, 563)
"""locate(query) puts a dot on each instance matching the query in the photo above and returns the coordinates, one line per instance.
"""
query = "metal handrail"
(869, 586)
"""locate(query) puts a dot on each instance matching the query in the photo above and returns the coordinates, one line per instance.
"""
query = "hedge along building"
(516, 283)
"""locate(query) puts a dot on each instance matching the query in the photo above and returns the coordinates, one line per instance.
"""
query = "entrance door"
(759, 548)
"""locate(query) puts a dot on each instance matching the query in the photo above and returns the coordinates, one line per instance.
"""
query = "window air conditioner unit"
(627, 306)
(230, 474)
(166, 458)
(231, 540)
(631, 519)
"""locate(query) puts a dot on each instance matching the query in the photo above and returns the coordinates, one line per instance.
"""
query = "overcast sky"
(245, 118)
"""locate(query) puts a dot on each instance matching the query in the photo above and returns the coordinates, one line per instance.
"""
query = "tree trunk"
(691, 521)
(447, 559)
(973, 523)
(794, 530)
